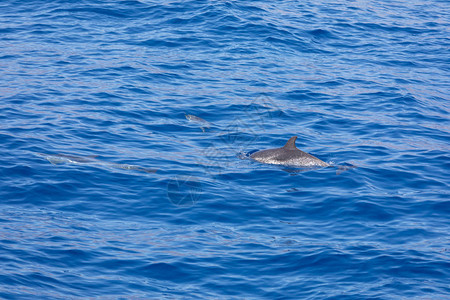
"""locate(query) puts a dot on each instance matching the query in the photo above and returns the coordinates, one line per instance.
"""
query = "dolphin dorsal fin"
(290, 145)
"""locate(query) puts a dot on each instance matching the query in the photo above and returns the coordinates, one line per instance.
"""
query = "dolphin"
(288, 155)
(89, 160)
(204, 124)
(69, 159)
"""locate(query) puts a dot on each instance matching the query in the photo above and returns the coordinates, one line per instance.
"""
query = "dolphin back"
(288, 155)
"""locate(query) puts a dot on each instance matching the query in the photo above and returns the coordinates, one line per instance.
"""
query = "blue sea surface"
(126, 129)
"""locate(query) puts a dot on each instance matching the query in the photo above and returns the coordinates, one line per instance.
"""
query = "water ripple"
(188, 90)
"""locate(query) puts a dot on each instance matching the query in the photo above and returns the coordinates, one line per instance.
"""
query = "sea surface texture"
(126, 129)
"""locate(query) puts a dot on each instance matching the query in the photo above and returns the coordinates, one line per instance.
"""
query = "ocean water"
(125, 130)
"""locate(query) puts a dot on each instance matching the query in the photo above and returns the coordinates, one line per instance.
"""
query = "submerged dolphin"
(288, 155)
(204, 124)
(89, 160)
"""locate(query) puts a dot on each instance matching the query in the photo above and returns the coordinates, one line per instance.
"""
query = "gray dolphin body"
(288, 155)
(204, 124)
(89, 160)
